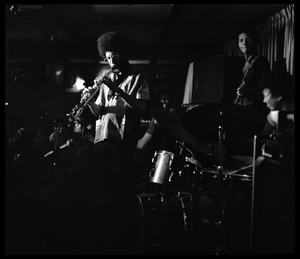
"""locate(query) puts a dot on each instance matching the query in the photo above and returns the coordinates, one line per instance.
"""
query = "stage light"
(77, 86)
(14, 9)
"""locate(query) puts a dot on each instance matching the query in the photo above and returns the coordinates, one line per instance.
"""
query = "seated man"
(66, 143)
(277, 88)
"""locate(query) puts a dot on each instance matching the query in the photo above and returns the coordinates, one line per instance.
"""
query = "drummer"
(155, 135)
(278, 90)
(163, 135)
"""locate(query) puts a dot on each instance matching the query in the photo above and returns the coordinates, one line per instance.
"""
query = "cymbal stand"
(221, 201)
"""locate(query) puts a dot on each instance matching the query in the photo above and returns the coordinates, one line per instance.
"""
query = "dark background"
(166, 38)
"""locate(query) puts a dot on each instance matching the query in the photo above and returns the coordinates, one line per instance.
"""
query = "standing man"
(248, 93)
(119, 106)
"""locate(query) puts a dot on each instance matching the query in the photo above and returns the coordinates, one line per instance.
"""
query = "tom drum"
(162, 170)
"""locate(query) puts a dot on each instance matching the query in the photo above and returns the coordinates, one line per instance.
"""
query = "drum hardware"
(171, 124)
(222, 122)
(221, 245)
(162, 195)
(241, 169)
(162, 176)
(165, 171)
(239, 122)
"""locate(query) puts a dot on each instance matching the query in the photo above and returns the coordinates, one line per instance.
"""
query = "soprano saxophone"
(79, 108)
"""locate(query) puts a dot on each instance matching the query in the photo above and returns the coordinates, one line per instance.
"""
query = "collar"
(251, 56)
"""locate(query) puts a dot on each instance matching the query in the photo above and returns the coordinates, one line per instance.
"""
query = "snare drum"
(162, 171)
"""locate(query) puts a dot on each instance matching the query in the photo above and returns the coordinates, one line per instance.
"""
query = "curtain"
(187, 97)
(289, 39)
(277, 38)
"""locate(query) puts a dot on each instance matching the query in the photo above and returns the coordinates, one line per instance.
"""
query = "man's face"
(61, 128)
(270, 99)
(246, 43)
(165, 101)
(114, 60)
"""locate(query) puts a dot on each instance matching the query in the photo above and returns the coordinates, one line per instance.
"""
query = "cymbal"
(238, 122)
(170, 123)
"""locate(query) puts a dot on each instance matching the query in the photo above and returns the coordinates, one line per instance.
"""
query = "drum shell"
(162, 167)
(240, 188)
(164, 226)
(237, 186)
(187, 178)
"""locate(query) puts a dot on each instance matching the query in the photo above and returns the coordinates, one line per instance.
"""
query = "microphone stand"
(56, 179)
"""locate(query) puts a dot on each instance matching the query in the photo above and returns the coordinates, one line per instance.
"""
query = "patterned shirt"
(118, 121)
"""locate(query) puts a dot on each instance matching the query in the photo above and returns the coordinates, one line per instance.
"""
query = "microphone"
(60, 148)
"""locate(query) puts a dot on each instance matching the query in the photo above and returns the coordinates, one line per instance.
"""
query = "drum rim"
(162, 151)
(215, 172)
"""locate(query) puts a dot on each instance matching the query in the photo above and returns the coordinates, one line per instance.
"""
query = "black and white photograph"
(149, 129)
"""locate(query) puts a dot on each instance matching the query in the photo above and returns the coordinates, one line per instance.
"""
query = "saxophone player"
(119, 104)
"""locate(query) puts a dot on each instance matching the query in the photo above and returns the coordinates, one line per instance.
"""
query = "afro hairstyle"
(113, 41)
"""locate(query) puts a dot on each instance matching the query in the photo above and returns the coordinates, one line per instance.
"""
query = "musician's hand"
(86, 93)
(110, 84)
(246, 92)
(70, 143)
(239, 91)
(86, 90)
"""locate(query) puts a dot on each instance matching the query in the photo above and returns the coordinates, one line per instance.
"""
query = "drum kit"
(180, 184)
